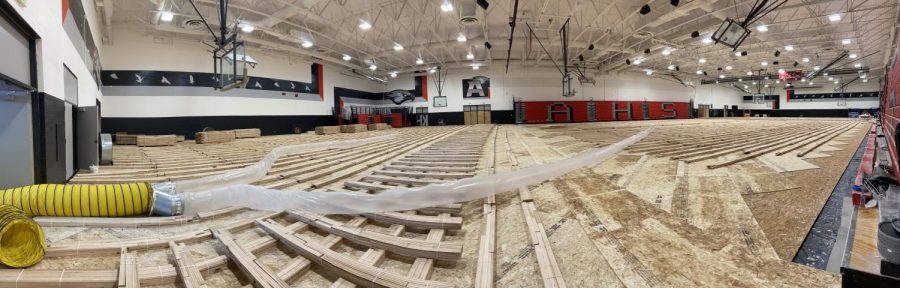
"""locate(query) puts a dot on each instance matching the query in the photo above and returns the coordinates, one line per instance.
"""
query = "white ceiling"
(614, 27)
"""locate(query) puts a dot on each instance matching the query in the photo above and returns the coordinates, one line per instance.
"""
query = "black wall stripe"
(202, 79)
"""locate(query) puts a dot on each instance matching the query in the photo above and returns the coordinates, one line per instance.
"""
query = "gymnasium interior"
(449, 143)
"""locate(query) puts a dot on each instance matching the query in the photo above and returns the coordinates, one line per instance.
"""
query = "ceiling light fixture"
(447, 7)
(846, 41)
(721, 75)
(398, 47)
(167, 16)
(419, 61)
(638, 61)
(728, 67)
(247, 28)
(306, 44)
(853, 56)
(470, 56)
(749, 72)
(702, 60)
(857, 65)
(817, 68)
(394, 74)
(805, 60)
(764, 64)
(737, 54)
(671, 67)
(649, 72)
(834, 17)
(364, 25)
(667, 51)
(475, 67)
(789, 47)
(373, 67)
(699, 72)
(706, 40)
(762, 28)
(347, 57)
(432, 70)
(461, 38)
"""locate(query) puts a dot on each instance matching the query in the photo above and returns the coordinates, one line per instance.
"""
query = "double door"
(477, 114)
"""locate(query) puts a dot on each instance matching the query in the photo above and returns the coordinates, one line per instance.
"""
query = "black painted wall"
(187, 126)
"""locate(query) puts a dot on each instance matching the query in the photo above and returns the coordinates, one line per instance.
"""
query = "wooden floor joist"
(448, 250)
(260, 275)
(348, 268)
(187, 269)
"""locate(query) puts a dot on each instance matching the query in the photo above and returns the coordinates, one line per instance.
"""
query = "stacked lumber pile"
(247, 133)
(323, 130)
(156, 140)
(379, 126)
(125, 139)
(354, 128)
(214, 137)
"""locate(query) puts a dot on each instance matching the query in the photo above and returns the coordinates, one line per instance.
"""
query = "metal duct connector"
(165, 201)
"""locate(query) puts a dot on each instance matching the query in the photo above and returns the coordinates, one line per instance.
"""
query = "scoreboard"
(795, 75)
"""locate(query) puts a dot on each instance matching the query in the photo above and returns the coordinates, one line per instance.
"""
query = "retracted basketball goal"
(229, 60)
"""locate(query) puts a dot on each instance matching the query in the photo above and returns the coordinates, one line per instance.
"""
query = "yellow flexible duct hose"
(101, 200)
(21, 240)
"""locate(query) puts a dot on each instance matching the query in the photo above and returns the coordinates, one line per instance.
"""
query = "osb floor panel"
(635, 220)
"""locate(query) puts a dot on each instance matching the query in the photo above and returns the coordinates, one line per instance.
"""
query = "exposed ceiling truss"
(603, 32)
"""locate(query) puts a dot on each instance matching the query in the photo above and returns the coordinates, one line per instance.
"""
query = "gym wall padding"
(106, 200)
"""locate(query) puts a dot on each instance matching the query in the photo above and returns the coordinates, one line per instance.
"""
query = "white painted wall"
(54, 49)
(142, 51)
(542, 84)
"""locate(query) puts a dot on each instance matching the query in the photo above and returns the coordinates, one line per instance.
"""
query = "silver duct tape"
(166, 204)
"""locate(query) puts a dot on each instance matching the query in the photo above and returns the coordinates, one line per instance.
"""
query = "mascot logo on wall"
(478, 86)
(399, 96)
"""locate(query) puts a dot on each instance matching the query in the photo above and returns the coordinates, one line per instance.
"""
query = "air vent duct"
(468, 14)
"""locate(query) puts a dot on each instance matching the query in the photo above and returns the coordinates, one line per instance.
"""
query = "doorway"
(18, 79)
(477, 114)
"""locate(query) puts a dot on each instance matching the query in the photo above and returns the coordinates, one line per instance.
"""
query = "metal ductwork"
(468, 14)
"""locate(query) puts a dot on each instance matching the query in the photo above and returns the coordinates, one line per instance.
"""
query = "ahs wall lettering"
(590, 111)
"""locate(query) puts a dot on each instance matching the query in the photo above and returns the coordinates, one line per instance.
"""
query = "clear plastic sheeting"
(397, 199)
(258, 170)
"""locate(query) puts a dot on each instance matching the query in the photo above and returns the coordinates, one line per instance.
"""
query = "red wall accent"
(536, 111)
(397, 122)
(363, 118)
(321, 81)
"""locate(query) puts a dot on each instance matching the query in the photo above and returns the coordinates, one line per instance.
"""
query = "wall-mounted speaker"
(487, 45)
(777, 53)
(695, 34)
(645, 9)
(647, 51)
(628, 61)
(674, 3)
(483, 3)
(591, 47)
